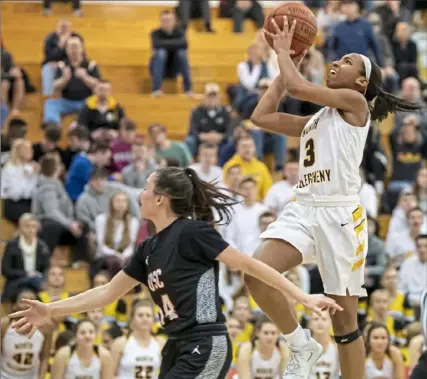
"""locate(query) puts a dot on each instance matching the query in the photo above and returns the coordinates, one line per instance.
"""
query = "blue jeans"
(158, 67)
(54, 109)
(3, 114)
(270, 142)
(48, 77)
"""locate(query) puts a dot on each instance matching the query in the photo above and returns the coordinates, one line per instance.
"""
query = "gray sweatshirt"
(51, 201)
(91, 203)
(133, 178)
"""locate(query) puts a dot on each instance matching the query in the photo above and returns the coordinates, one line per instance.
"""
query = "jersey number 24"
(310, 155)
(167, 310)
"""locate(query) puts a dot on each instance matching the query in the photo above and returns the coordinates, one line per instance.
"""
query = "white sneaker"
(302, 360)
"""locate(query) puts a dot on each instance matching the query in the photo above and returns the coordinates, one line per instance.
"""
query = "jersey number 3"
(310, 156)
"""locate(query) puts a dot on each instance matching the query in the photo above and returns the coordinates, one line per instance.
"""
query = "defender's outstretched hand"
(319, 303)
(36, 316)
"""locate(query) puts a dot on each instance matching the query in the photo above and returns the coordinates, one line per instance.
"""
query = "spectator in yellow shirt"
(245, 158)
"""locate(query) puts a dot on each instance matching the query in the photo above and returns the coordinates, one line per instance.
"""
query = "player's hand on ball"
(36, 315)
(319, 303)
(282, 39)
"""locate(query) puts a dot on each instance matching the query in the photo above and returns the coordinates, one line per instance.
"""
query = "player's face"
(347, 72)
(143, 319)
(233, 327)
(389, 279)
(56, 277)
(120, 204)
(320, 324)
(379, 340)
(86, 334)
(147, 199)
(268, 334)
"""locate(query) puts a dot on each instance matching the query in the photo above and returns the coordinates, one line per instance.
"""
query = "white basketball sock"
(297, 338)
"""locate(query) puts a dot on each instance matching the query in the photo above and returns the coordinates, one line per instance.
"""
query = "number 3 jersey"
(179, 267)
(331, 151)
(140, 362)
(20, 356)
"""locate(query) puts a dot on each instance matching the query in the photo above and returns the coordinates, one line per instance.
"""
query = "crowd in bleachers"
(85, 195)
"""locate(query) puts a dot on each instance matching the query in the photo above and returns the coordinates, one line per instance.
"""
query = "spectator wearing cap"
(75, 79)
(78, 141)
(245, 158)
(49, 144)
(167, 149)
(210, 121)
(101, 111)
(354, 35)
(121, 147)
(264, 141)
(81, 167)
(169, 44)
(405, 51)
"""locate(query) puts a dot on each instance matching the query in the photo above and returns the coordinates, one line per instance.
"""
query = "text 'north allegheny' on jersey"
(318, 176)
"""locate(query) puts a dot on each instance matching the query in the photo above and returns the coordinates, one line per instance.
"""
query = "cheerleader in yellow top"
(242, 313)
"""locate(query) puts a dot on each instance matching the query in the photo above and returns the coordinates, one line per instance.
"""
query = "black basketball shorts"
(205, 357)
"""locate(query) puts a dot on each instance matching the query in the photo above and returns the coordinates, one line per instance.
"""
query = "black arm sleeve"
(136, 268)
(201, 242)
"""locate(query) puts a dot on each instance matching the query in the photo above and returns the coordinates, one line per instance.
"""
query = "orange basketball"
(306, 28)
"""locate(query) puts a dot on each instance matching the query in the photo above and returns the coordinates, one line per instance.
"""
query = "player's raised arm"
(340, 98)
(242, 262)
(266, 116)
(39, 314)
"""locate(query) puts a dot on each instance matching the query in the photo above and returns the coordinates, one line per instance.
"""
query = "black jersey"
(179, 267)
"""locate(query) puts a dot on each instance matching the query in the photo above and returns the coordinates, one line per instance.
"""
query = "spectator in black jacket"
(101, 112)
(49, 144)
(169, 58)
(54, 52)
(405, 52)
(238, 10)
(210, 121)
(25, 259)
(75, 78)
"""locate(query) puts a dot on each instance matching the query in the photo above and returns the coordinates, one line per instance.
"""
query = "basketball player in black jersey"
(179, 265)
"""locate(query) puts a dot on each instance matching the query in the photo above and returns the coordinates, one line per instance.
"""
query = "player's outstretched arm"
(39, 314)
(265, 115)
(250, 266)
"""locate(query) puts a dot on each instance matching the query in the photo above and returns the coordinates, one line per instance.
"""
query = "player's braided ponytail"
(192, 197)
(381, 102)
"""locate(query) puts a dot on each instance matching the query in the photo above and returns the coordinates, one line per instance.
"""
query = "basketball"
(306, 28)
